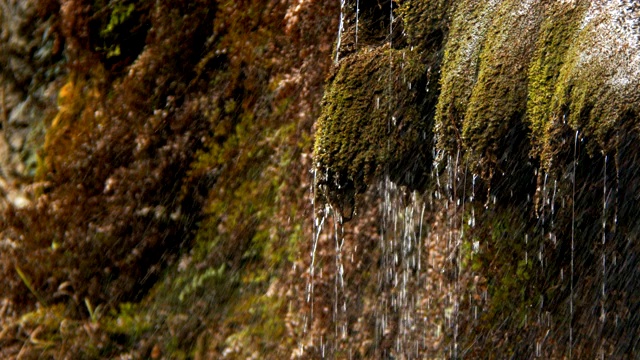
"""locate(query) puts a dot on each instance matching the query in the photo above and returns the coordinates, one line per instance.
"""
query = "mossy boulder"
(460, 66)
(379, 104)
(374, 122)
(597, 91)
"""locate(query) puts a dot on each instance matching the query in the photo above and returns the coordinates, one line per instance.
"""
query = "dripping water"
(340, 30)
(318, 225)
(339, 303)
(357, 21)
(604, 240)
(573, 229)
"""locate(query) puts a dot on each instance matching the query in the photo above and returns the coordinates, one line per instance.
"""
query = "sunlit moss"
(558, 33)
(467, 32)
(119, 30)
(499, 94)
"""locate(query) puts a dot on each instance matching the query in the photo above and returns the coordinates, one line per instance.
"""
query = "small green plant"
(119, 15)
(199, 280)
(94, 313)
(27, 282)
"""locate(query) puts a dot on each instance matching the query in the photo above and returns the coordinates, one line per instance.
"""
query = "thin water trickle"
(357, 21)
(391, 24)
(573, 230)
(339, 312)
(340, 30)
(319, 218)
(553, 199)
(604, 240)
(544, 197)
(526, 249)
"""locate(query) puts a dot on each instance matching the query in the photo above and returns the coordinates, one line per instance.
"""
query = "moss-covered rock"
(378, 108)
(173, 219)
(426, 24)
(374, 122)
(467, 32)
(597, 89)
(558, 32)
(531, 94)
(500, 91)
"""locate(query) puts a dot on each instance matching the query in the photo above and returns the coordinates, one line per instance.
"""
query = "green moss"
(119, 15)
(576, 78)
(558, 32)
(499, 94)
(502, 61)
(119, 30)
(377, 115)
(598, 92)
(258, 319)
(239, 248)
(373, 122)
(467, 32)
(501, 256)
(426, 24)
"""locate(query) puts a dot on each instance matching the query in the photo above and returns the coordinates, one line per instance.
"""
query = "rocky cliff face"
(32, 69)
(358, 179)
(530, 129)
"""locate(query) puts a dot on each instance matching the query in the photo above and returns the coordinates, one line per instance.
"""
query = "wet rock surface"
(534, 104)
(32, 71)
(310, 179)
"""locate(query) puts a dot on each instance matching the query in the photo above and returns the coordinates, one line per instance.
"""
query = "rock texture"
(32, 69)
(308, 179)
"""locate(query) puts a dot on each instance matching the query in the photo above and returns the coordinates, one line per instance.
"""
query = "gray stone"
(31, 72)
(25, 113)
(16, 141)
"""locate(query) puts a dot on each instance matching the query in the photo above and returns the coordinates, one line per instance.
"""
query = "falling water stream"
(603, 313)
(340, 29)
